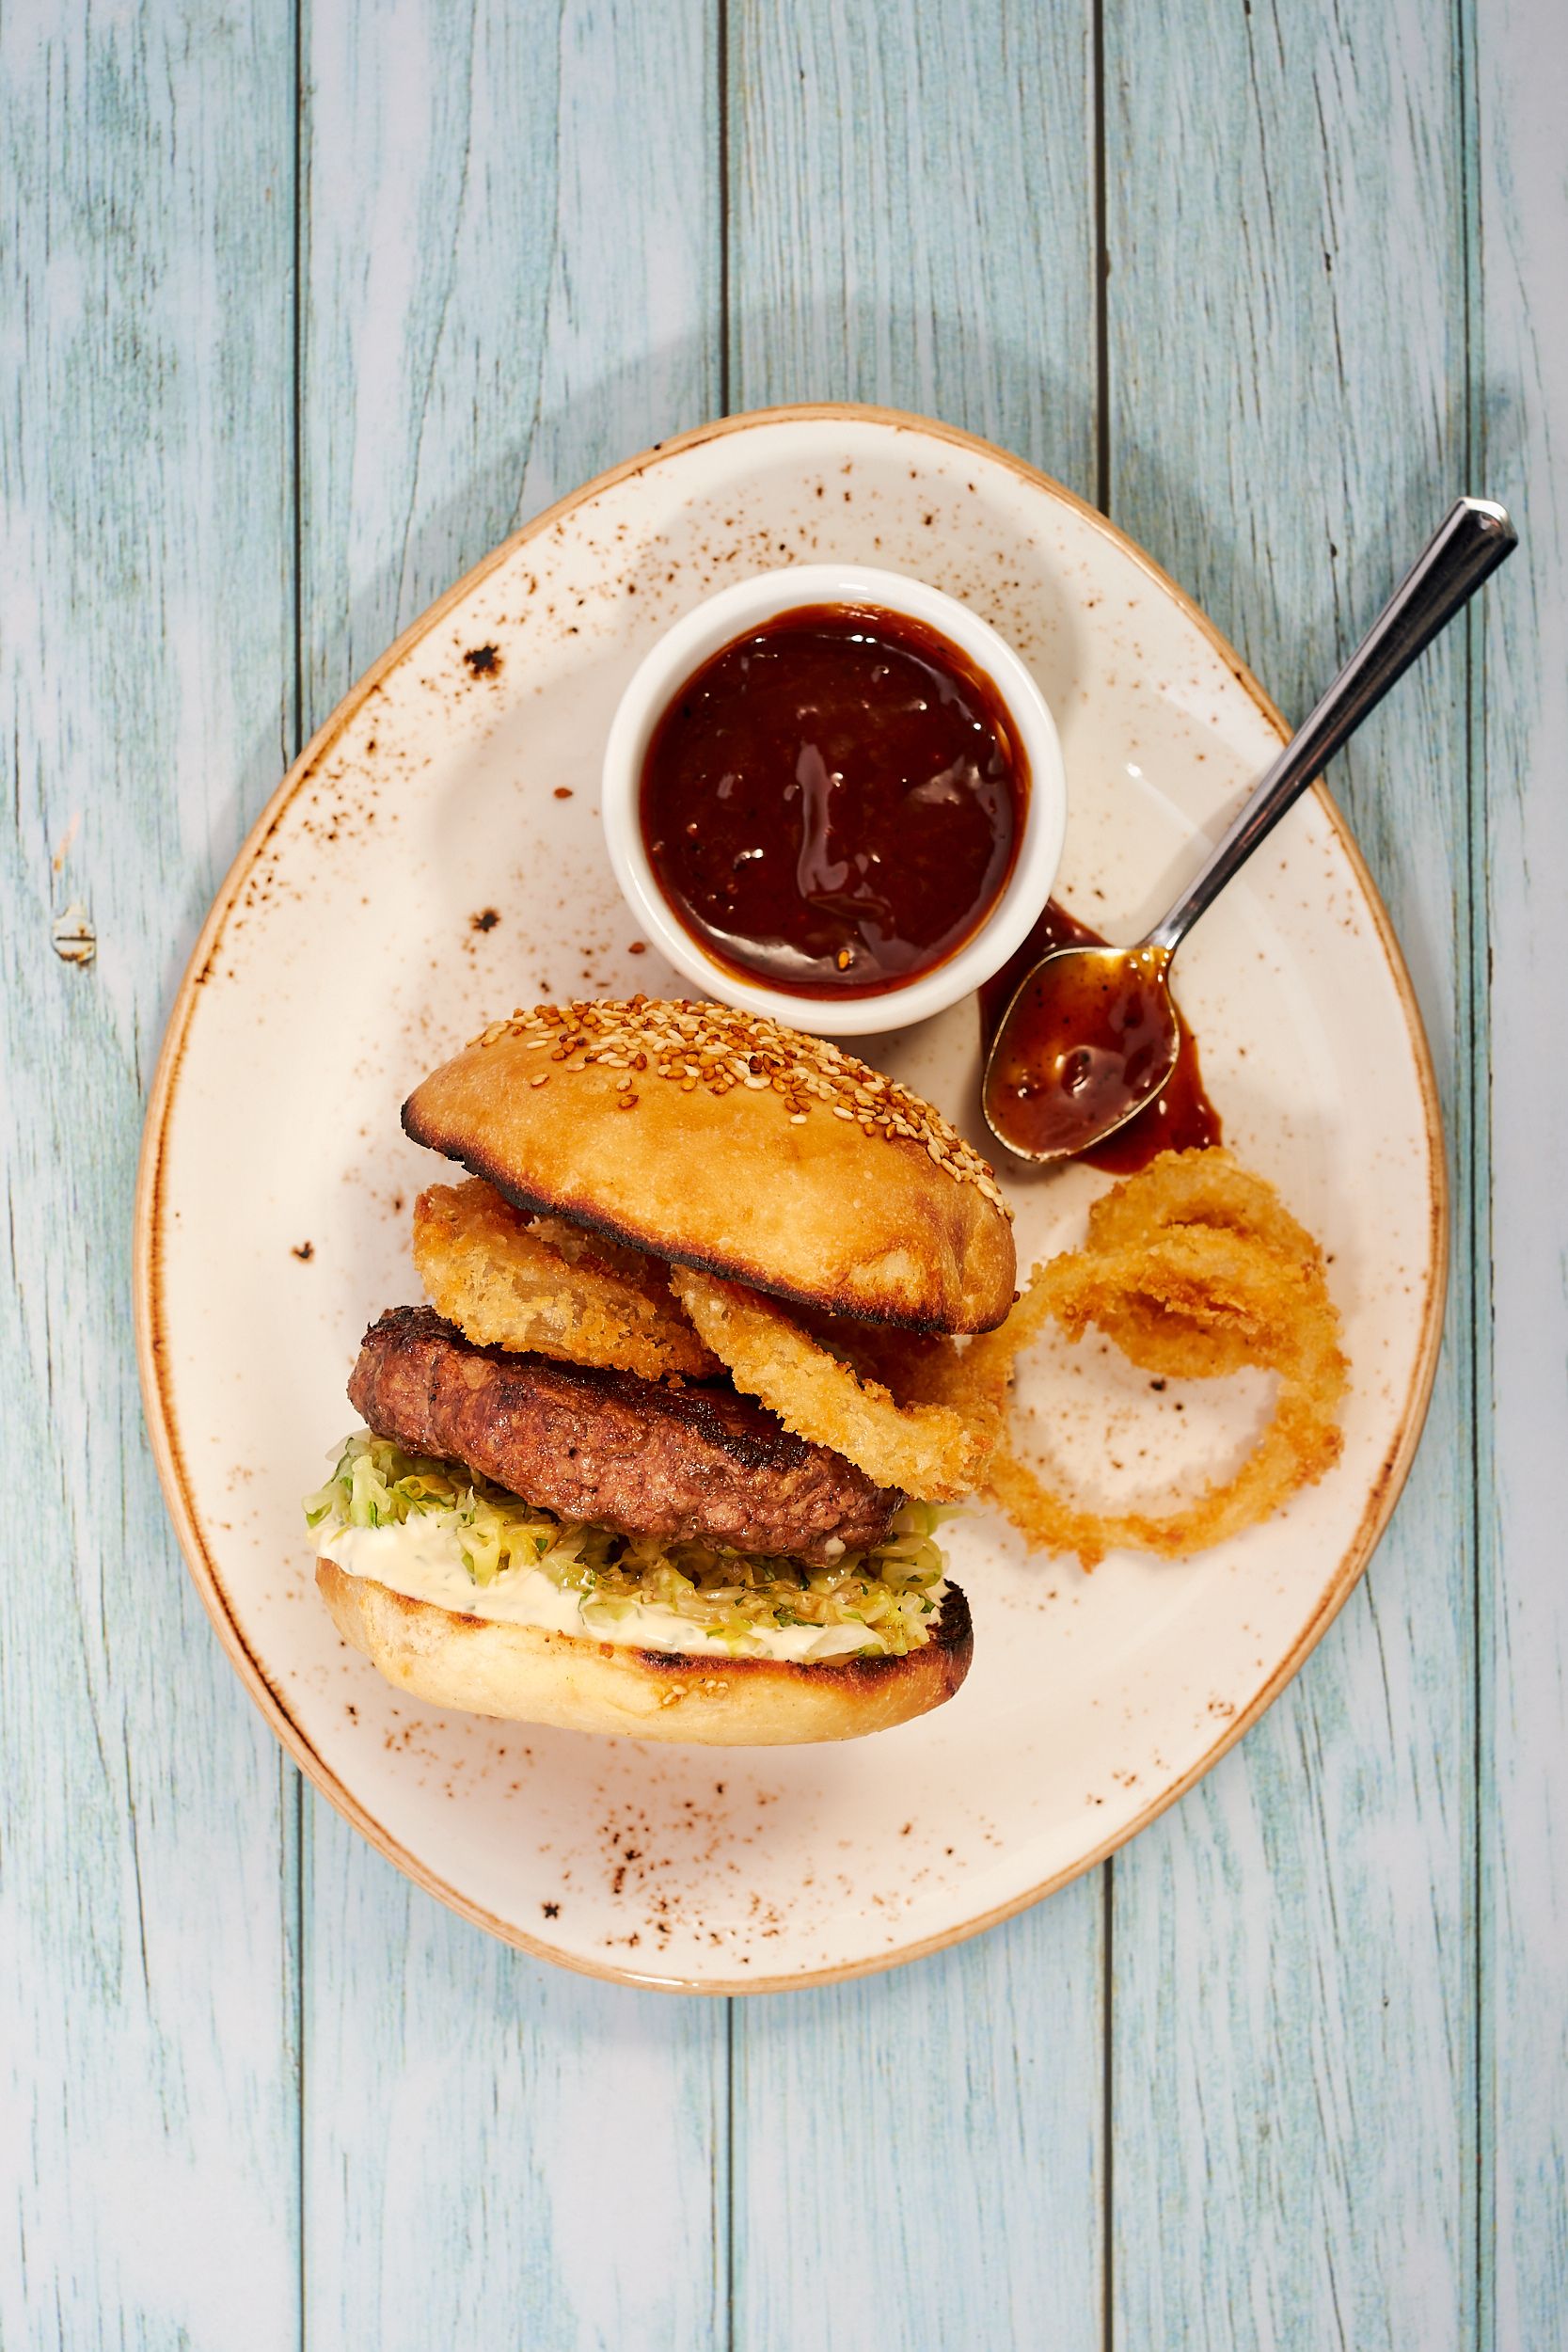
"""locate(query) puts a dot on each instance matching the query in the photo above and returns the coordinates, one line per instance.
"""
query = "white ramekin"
(716, 623)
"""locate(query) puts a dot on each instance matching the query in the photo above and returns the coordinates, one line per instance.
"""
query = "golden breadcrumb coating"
(543, 1287)
(934, 1441)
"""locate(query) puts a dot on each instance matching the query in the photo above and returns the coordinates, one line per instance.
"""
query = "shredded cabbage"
(892, 1590)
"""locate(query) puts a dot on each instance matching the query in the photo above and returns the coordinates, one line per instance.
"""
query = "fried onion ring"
(929, 1446)
(1194, 1267)
(543, 1287)
(1179, 1190)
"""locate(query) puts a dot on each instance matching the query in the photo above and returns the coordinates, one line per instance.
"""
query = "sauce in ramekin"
(832, 804)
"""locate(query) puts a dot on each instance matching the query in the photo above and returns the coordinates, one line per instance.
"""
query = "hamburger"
(576, 1497)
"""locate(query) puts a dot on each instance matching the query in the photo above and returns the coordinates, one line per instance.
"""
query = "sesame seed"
(717, 1048)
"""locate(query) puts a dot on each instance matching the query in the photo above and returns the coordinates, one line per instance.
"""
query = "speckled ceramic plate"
(433, 859)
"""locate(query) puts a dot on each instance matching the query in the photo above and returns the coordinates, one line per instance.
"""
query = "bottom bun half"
(526, 1674)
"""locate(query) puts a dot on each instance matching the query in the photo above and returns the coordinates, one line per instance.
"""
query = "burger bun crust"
(809, 1176)
(524, 1674)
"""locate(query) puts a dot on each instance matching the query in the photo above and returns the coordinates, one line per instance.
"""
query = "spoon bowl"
(1090, 1037)
(1092, 1034)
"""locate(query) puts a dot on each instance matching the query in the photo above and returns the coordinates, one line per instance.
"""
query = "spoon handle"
(1473, 539)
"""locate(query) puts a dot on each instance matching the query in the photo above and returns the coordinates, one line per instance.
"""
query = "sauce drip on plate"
(1061, 1068)
(832, 804)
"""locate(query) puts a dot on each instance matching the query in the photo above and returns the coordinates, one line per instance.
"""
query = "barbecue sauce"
(1105, 1033)
(832, 805)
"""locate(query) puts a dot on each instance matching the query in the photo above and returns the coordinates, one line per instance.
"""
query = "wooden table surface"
(302, 311)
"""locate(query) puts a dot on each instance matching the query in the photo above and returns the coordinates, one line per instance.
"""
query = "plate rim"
(147, 1273)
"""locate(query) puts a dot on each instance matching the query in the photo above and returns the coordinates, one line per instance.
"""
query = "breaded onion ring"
(1185, 1188)
(1208, 1187)
(1195, 1268)
(545, 1288)
(930, 1446)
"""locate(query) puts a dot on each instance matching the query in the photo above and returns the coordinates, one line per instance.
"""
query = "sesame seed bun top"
(729, 1142)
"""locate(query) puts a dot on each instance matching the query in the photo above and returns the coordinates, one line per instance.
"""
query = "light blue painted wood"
(511, 281)
(496, 2152)
(511, 225)
(1293, 2092)
(510, 221)
(1519, 60)
(150, 2125)
(918, 2157)
(911, 214)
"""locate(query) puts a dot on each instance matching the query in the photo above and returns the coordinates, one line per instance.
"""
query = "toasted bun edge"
(525, 1673)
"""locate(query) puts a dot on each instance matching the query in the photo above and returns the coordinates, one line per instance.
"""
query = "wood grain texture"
(1520, 379)
(919, 2158)
(910, 220)
(1293, 2062)
(511, 280)
(147, 2151)
(257, 2091)
(499, 2153)
(911, 207)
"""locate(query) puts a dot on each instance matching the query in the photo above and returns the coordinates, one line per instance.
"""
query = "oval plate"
(433, 859)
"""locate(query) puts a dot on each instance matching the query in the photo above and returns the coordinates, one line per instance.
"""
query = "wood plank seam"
(1296, 358)
(721, 72)
(1473, 1277)
(1102, 500)
(296, 1817)
(468, 346)
(911, 221)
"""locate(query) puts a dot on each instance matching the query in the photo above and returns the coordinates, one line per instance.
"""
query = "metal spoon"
(1104, 1015)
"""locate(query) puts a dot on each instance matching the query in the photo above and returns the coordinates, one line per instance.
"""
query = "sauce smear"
(834, 803)
(1083, 1052)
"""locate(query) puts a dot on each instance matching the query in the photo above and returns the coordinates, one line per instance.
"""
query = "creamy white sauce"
(422, 1560)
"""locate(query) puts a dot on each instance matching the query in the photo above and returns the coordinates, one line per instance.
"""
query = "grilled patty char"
(630, 1454)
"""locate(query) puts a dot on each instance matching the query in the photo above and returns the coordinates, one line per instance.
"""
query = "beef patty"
(635, 1456)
